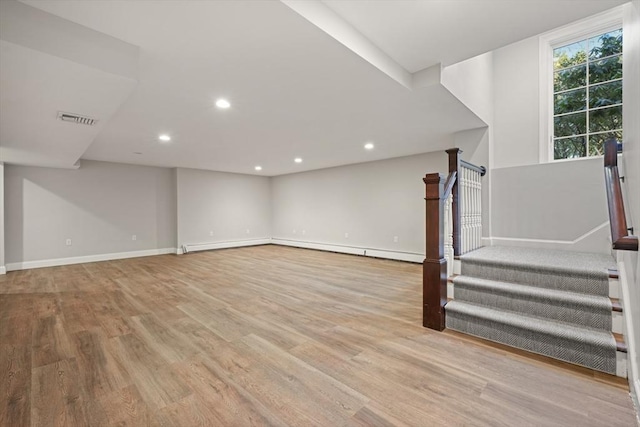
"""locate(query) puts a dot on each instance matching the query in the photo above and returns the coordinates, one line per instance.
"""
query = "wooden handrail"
(620, 237)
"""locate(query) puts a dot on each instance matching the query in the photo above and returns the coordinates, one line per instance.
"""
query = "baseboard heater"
(352, 250)
(195, 247)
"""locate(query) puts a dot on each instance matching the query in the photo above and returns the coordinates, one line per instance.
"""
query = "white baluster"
(475, 210)
(465, 210)
(464, 239)
(469, 211)
(448, 235)
(470, 200)
(472, 213)
(479, 209)
(461, 207)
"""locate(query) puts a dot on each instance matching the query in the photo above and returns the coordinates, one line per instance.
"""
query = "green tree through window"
(587, 95)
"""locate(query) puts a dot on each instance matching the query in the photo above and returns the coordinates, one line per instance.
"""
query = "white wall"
(372, 202)
(3, 269)
(99, 206)
(631, 139)
(471, 81)
(516, 124)
(551, 205)
(224, 204)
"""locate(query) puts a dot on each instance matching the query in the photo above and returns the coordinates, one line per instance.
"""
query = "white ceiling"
(420, 33)
(294, 89)
(34, 87)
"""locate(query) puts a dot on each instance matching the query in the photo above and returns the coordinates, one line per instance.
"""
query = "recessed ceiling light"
(297, 160)
(258, 168)
(222, 103)
(137, 152)
(369, 145)
(164, 138)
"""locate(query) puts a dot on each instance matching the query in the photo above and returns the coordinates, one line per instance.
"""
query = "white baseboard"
(622, 364)
(353, 250)
(633, 369)
(88, 258)
(635, 397)
(3, 270)
(195, 247)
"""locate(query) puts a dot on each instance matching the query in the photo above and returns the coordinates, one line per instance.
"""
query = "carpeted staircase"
(554, 303)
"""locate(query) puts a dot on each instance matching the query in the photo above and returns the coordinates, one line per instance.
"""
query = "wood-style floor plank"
(124, 407)
(227, 402)
(99, 371)
(162, 338)
(154, 377)
(266, 336)
(50, 341)
(15, 385)
(57, 398)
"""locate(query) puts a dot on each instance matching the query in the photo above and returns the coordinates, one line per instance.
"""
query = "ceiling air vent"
(76, 118)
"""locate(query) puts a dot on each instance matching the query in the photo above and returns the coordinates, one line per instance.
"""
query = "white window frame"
(593, 26)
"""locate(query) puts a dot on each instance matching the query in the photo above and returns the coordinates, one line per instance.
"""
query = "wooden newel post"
(434, 271)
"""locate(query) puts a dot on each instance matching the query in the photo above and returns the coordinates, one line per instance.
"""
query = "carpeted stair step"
(593, 348)
(581, 309)
(562, 270)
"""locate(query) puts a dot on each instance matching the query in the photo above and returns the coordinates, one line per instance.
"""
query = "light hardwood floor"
(265, 336)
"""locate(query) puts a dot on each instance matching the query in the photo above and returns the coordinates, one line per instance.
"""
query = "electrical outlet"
(68, 242)
(294, 231)
(346, 235)
(134, 237)
(211, 233)
(304, 232)
(248, 231)
(395, 239)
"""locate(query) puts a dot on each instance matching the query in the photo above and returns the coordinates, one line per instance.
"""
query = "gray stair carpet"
(593, 348)
(563, 270)
(571, 307)
(553, 303)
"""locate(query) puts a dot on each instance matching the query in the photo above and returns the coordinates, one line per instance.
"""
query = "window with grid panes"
(587, 95)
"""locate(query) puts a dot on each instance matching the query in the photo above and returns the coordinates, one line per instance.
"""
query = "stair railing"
(466, 205)
(453, 226)
(620, 237)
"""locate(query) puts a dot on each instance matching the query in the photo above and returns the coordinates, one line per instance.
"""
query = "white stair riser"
(621, 364)
(614, 288)
(617, 322)
(456, 266)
